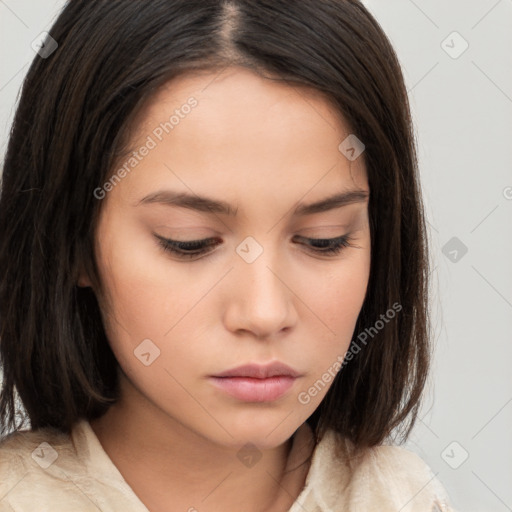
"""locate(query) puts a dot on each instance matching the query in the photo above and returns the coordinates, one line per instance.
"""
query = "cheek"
(336, 300)
(149, 298)
(340, 295)
(149, 303)
(148, 293)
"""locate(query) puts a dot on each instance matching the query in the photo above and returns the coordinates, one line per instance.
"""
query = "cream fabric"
(48, 471)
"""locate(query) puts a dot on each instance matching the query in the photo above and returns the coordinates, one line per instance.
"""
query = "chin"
(262, 429)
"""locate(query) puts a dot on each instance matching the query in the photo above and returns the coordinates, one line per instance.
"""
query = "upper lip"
(258, 371)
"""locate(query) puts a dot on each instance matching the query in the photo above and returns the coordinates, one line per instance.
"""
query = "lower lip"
(255, 390)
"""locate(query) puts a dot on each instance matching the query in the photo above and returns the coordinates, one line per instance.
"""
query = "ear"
(83, 280)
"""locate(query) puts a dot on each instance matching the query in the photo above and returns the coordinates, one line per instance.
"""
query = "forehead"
(232, 130)
(234, 86)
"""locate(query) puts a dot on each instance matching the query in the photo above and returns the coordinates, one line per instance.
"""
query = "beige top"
(48, 471)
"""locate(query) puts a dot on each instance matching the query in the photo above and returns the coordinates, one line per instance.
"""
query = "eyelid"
(326, 246)
(178, 243)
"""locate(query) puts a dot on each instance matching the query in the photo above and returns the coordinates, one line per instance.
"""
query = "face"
(273, 281)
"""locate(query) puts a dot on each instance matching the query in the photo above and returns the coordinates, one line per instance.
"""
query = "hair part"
(74, 120)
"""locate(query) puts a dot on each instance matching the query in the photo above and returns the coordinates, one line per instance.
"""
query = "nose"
(260, 299)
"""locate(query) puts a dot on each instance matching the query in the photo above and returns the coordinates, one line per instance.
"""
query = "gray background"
(462, 106)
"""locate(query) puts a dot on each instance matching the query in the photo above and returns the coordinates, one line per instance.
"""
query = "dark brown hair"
(72, 123)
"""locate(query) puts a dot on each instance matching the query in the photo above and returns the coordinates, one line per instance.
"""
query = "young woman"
(214, 264)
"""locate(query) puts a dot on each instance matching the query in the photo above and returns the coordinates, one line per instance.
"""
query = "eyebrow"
(209, 205)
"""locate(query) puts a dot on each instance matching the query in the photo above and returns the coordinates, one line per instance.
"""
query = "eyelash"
(192, 248)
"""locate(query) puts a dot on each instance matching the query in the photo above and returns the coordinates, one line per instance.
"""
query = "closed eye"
(194, 248)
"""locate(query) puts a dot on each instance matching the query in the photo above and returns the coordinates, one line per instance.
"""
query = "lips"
(256, 383)
(256, 371)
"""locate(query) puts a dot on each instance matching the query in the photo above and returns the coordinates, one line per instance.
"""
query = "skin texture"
(263, 147)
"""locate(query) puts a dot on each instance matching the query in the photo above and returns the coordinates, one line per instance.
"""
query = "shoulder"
(32, 448)
(20, 450)
(60, 472)
(408, 475)
(397, 459)
(384, 477)
(35, 463)
(25, 452)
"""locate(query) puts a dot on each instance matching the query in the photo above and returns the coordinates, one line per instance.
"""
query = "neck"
(165, 462)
